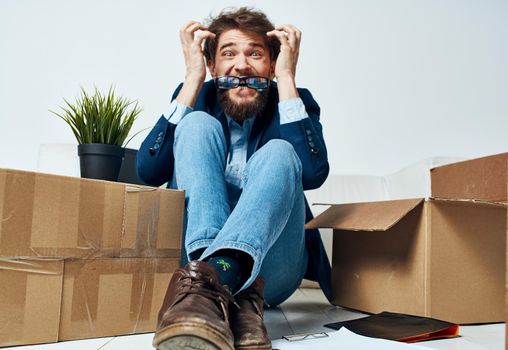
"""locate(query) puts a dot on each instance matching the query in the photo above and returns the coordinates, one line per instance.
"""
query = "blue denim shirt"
(289, 110)
(237, 157)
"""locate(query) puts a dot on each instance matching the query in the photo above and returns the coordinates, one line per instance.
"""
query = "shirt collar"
(247, 123)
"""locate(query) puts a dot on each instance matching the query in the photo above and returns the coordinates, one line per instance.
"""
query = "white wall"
(397, 80)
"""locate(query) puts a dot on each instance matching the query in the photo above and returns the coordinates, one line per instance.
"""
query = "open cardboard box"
(83, 258)
(438, 258)
(484, 178)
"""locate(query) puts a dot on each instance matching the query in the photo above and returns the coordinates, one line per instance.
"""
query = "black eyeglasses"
(227, 82)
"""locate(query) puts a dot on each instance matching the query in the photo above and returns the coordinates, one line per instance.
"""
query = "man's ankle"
(233, 267)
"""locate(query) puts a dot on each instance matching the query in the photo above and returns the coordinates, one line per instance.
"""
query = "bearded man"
(244, 148)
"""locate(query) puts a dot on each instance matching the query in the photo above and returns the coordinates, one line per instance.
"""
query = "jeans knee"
(281, 154)
(198, 123)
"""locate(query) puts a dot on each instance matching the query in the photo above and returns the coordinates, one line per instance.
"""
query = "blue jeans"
(268, 220)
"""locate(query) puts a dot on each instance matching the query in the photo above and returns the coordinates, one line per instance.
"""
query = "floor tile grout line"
(103, 345)
(289, 323)
(323, 311)
(284, 314)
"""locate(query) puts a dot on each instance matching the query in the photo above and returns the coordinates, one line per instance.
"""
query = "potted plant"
(100, 123)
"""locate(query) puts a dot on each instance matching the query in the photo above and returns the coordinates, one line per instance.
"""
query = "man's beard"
(241, 111)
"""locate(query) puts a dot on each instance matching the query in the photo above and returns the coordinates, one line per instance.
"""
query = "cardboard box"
(482, 178)
(83, 258)
(44, 215)
(439, 258)
(49, 300)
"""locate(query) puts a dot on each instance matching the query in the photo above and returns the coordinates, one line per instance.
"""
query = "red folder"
(400, 327)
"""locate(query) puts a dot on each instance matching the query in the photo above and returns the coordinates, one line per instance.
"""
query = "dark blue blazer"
(155, 158)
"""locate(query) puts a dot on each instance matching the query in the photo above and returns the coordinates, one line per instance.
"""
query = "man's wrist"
(287, 87)
(189, 91)
(194, 78)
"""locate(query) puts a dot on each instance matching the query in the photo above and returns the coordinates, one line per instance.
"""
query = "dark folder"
(400, 327)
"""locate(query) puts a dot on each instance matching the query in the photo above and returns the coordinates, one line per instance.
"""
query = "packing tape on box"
(139, 188)
(91, 279)
(145, 210)
(16, 195)
(139, 220)
(55, 216)
(98, 209)
(153, 222)
(47, 215)
(82, 296)
(33, 266)
(28, 288)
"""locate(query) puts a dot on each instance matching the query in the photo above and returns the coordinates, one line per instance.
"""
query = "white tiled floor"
(305, 312)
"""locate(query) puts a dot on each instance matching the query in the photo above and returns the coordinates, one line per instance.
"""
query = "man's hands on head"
(289, 37)
(192, 45)
(285, 66)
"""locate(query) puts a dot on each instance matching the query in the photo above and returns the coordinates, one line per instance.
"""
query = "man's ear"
(211, 68)
(272, 70)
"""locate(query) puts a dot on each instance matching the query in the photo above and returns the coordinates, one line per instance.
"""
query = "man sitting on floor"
(244, 149)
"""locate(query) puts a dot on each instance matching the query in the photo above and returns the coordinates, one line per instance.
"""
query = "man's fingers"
(279, 34)
(189, 23)
(196, 26)
(294, 35)
(296, 31)
(188, 30)
(205, 34)
(289, 37)
(288, 27)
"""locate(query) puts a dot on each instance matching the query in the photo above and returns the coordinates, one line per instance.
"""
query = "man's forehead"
(235, 37)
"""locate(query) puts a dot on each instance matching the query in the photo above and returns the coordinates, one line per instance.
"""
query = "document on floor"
(342, 339)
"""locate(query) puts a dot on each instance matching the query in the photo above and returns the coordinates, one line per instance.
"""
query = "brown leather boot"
(247, 319)
(194, 314)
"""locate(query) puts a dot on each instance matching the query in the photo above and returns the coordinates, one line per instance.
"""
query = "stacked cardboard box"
(83, 258)
(443, 257)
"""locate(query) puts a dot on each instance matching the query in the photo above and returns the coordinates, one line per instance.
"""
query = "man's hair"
(246, 19)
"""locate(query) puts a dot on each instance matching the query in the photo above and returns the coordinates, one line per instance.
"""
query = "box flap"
(482, 178)
(370, 216)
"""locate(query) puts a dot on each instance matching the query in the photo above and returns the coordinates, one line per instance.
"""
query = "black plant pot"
(100, 161)
(128, 171)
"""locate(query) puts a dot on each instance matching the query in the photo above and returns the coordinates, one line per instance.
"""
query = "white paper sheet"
(344, 339)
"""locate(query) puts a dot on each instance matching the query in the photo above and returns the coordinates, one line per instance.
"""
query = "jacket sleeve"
(155, 159)
(306, 136)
